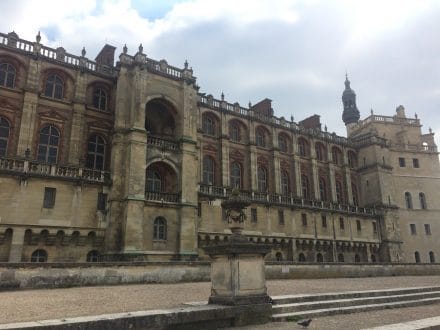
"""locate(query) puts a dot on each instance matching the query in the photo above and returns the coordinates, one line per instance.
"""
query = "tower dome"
(351, 113)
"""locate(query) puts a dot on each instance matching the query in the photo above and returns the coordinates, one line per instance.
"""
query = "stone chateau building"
(130, 162)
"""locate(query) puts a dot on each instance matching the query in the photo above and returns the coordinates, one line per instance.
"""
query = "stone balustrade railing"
(162, 197)
(162, 143)
(258, 197)
(30, 167)
(387, 119)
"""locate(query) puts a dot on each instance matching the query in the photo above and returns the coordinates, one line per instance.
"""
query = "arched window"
(4, 136)
(95, 152)
(322, 189)
(340, 257)
(305, 187)
(208, 170)
(236, 175)
(302, 147)
(54, 87)
(338, 185)
(431, 257)
(7, 75)
(154, 181)
(260, 138)
(422, 201)
(92, 256)
(285, 183)
(160, 229)
(279, 256)
(417, 256)
(354, 193)
(208, 125)
(48, 144)
(319, 258)
(39, 256)
(320, 151)
(373, 258)
(262, 179)
(301, 257)
(100, 99)
(282, 143)
(357, 258)
(337, 156)
(408, 200)
(234, 132)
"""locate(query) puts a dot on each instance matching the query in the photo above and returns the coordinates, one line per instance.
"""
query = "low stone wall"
(58, 275)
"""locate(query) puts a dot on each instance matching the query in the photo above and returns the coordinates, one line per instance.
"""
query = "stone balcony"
(162, 197)
(257, 197)
(29, 168)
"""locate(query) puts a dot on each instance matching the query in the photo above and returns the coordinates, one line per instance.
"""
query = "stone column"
(17, 242)
(277, 172)
(332, 183)
(296, 164)
(315, 179)
(253, 167)
(349, 191)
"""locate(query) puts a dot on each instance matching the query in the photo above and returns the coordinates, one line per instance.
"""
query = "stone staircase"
(302, 306)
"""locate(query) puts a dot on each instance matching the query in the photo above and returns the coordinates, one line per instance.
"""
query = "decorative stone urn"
(237, 267)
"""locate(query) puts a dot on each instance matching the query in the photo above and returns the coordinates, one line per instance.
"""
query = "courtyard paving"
(19, 306)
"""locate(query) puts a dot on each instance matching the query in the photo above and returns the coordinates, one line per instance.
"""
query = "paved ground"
(18, 306)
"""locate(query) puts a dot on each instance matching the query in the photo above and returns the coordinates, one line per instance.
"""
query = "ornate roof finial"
(141, 48)
(250, 104)
(325, 128)
(186, 64)
(291, 118)
(83, 52)
(125, 49)
(415, 115)
(38, 37)
(223, 96)
(430, 130)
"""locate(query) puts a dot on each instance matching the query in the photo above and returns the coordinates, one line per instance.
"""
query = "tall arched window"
(95, 152)
(54, 87)
(100, 99)
(154, 181)
(431, 257)
(408, 200)
(48, 144)
(234, 132)
(4, 136)
(337, 156)
(262, 179)
(208, 170)
(160, 229)
(282, 143)
(302, 147)
(320, 151)
(322, 189)
(7, 75)
(208, 125)
(417, 256)
(338, 185)
(422, 201)
(260, 138)
(305, 187)
(39, 255)
(285, 183)
(235, 175)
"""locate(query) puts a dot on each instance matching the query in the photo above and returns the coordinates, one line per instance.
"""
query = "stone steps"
(288, 308)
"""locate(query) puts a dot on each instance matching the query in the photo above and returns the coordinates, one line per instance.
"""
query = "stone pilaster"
(315, 179)
(296, 165)
(253, 168)
(27, 125)
(76, 141)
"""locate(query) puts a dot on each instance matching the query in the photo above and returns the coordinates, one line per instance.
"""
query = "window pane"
(42, 153)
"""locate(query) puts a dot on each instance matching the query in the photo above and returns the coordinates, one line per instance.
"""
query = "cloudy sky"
(293, 52)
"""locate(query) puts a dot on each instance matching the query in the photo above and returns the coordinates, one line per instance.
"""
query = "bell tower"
(351, 115)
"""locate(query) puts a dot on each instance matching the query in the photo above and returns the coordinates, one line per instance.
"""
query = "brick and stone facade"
(131, 162)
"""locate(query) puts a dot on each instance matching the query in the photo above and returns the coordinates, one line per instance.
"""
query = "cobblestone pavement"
(18, 306)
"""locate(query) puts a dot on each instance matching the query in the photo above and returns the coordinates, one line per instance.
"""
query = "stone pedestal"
(237, 272)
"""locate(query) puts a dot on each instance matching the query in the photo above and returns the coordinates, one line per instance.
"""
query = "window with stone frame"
(417, 257)
(96, 152)
(234, 131)
(39, 255)
(352, 159)
(358, 225)
(154, 181)
(260, 137)
(337, 156)
(304, 219)
(282, 143)
(422, 200)
(303, 147)
(7, 75)
(4, 136)
(413, 229)
(49, 197)
(305, 187)
(338, 186)
(374, 224)
(322, 189)
(100, 99)
(416, 163)
(102, 201)
(208, 170)
(427, 229)
(324, 221)
(354, 194)
(262, 179)
(92, 256)
(208, 125)
(408, 200)
(341, 223)
(54, 87)
(402, 162)
(254, 217)
(235, 176)
(281, 217)
(285, 190)
(320, 151)
(160, 229)
(48, 144)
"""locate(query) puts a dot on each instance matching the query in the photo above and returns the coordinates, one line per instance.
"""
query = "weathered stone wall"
(56, 275)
